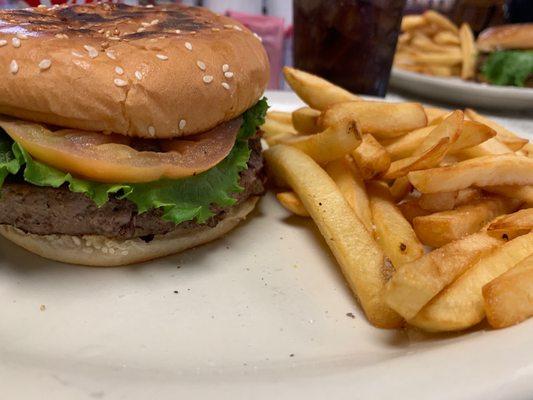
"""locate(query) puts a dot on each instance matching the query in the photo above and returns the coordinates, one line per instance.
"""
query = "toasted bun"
(79, 67)
(99, 251)
(517, 36)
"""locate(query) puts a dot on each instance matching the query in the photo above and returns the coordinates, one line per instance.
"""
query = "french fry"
(273, 127)
(422, 42)
(504, 135)
(445, 59)
(331, 144)
(446, 38)
(468, 52)
(524, 193)
(440, 20)
(410, 22)
(272, 140)
(280, 116)
(292, 202)
(472, 134)
(429, 159)
(449, 128)
(360, 258)
(410, 210)
(393, 232)
(460, 305)
(520, 220)
(371, 157)
(404, 146)
(318, 93)
(383, 120)
(351, 184)
(445, 201)
(490, 147)
(305, 120)
(481, 171)
(414, 284)
(434, 113)
(400, 188)
(443, 227)
(507, 298)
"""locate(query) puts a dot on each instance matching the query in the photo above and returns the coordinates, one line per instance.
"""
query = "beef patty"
(45, 210)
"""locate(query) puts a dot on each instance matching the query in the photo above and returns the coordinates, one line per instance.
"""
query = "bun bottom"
(100, 251)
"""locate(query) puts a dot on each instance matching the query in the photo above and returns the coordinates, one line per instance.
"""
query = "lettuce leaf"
(181, 199)
(509, 67)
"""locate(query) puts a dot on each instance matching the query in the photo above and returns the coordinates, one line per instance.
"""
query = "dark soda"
(349, 42)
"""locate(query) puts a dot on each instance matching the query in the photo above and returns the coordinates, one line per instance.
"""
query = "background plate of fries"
(457, 91)
(267, 313)
(439, 60)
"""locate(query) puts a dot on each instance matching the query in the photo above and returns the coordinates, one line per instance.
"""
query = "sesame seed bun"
(506, 37)
(164, 71)
(99, 251)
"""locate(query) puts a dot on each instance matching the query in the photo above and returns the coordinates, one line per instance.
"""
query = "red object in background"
(271, 31)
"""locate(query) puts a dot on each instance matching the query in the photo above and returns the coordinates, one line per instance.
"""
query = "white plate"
(245, 304)
(463, 93)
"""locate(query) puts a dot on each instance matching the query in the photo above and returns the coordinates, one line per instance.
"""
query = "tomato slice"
(111, 159)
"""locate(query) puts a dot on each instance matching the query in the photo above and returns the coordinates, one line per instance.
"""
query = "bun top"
(163, 71)
(516, 36)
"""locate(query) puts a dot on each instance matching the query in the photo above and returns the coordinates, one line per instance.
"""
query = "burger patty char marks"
(45, 210)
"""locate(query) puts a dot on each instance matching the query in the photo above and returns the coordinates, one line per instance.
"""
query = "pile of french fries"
(427, 211)
(431, 44)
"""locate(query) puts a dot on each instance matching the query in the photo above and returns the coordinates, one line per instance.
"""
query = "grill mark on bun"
(96, 20)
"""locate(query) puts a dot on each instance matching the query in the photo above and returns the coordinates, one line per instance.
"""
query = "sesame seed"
(145, 23)
(178, 31)
(22, 36)
(151, 131)
(119, 70)
(201, 65)
(225, 68)
(111, 54)
(101, 30)
(111, 250)
(15, 42)
(215, 29)
(138, 75)
(120, 82)
(154, 22)
(182, 124)
(3, 42)
(124, 252)
(93, 53)
(188, 46)
(76, 240)
(225, 85)
(153, 40)
(41, 6)
(149, 6)
(258, 37)
(208, 78)
(141, 30)
(13, 67)
(76, 54)
(228, 26)
(162, 57)
(237, 28)
(115, 38)
(228, 74)
(45, 64)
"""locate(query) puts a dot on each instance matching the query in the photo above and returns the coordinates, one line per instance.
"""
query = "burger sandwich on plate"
(127, 133)
(507, 55)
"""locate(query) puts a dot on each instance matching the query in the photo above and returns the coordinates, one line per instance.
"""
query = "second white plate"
(463, 93)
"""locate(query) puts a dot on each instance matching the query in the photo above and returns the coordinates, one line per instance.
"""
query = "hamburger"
(507, 55)
(126, 132)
